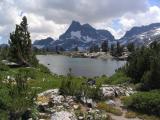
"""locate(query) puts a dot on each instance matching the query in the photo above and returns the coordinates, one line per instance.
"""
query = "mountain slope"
(143, 35)
(43, 43)
(84, 36)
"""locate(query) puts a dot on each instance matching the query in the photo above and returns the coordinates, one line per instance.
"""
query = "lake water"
(80, 66)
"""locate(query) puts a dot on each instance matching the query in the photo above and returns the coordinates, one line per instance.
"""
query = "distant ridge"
(84, 36)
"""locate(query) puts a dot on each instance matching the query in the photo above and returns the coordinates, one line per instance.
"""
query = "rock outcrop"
(52, 105)
(112, 91)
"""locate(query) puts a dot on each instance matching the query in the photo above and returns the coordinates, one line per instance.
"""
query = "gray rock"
(63, 115)
(111, 91)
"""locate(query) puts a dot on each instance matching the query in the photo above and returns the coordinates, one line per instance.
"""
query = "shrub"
(118, 78)
(144, 102)
(147, 117)
(130, 115)
(3, 67)
(28, 72)
(43, 69)
(16, 97)
(108, 108)
(143, 67)
(33, 60)
(79, 88)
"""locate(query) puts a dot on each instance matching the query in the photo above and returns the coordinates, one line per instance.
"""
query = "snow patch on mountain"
(39, 46)
(88, 39)
(76, 34)
(84, 36)
(157, 31)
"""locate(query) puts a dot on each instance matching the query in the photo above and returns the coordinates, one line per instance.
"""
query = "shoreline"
(95, 55)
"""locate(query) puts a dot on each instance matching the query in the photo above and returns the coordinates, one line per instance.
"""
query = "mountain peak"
(85, 35)
(142, 35)
(141, 29)
(87, 25)
(74, 26)
(75, 22)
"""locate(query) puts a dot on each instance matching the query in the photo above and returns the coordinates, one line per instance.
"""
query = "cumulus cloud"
(52, 17)
(152, 15)
(63, 11)
(129, 20)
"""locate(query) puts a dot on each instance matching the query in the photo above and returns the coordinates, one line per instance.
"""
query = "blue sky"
(51, 18)
(154, 2)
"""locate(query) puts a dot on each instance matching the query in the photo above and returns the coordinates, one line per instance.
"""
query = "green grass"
(144, 102)
(102, 79)
(118, 78)
(41, 78)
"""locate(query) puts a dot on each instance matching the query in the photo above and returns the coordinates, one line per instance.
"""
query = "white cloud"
(152, 15)
(42, 28)
(52, 17)
(128, 20)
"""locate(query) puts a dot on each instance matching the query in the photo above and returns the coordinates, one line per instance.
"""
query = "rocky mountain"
(43, 43)
(84, 36)
(77, 35)
(143, 35)
(4, 45)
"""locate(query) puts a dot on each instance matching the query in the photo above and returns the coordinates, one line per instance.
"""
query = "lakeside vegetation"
(143, 67)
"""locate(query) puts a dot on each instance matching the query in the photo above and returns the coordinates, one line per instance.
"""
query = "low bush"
(79, 87)
(130, 115)
(118, 78)
(28, 72)
(144, 102)
(148, 117)
(108, 108)
(43, 69)
(16, 97)
(75, 87)
(3, 67)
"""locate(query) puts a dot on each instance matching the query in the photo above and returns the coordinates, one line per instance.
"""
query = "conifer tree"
(20, 44)
(104, 46)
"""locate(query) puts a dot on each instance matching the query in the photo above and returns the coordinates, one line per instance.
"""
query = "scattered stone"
(54, 106)
(58, 99)
(75, 107)
(44, 115)
(80, 118)
(111, 103)
(111, 91)
(63, 115)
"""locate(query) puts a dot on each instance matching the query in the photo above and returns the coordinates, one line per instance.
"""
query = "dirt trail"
(119, 106)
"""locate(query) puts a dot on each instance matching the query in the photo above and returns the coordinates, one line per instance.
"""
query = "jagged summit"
(84, 35)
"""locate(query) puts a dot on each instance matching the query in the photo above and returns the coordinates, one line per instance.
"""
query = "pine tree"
(119, 49)
(112, 49)
(76, 48)
(20, 44)
(131, 47)
(104, 46)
